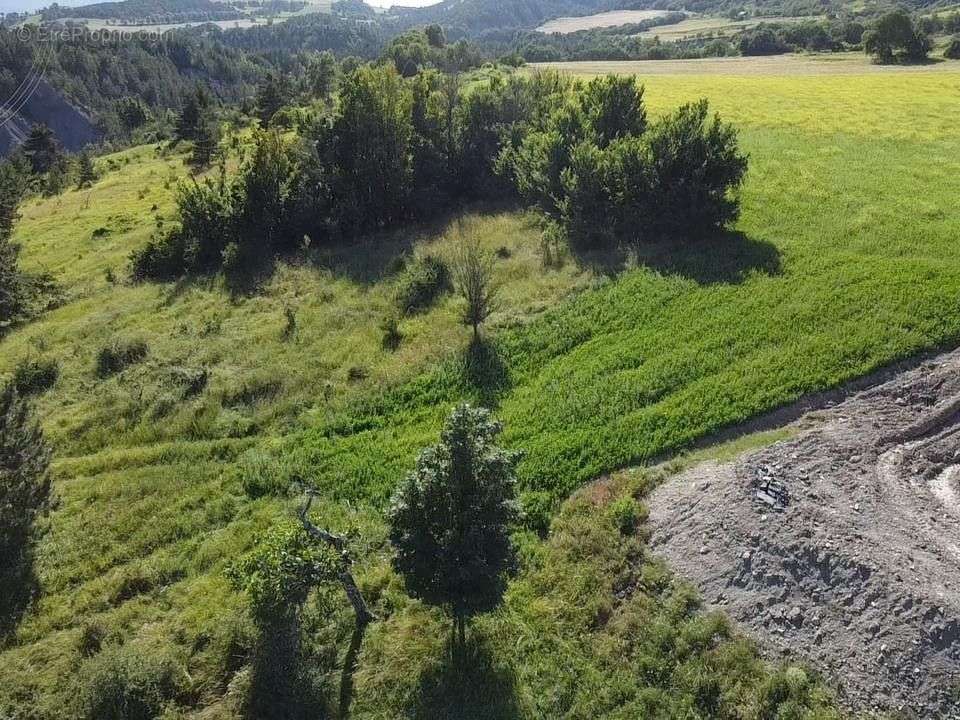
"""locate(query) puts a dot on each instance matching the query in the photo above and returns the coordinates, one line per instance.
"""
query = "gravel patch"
(841, 546)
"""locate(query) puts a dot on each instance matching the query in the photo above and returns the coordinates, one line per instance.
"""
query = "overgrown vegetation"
(279, 575)
(578, 152)
(642, 360)
(421, 284)
(35, 376)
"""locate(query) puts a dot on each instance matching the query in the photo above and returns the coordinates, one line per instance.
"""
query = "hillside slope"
(73, 127)
(833, 270)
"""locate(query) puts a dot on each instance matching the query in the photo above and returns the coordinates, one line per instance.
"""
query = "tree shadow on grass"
(280, 686)
(729, 258)
(370, 258)
(606, 260)
(484, 371)
(468, 684)
(19, 587)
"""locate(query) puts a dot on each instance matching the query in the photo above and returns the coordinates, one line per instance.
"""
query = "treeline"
(22, 295)
(416, 50)
(814, 36)
(13, 288)
(24, 456)
(171, 11)
(948, 23)
(318, 31)
(764, 39)
(398, 150)
(99, 76)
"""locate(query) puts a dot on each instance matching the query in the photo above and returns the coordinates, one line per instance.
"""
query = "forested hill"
(139, 10)
(475, 16)
(91, 80)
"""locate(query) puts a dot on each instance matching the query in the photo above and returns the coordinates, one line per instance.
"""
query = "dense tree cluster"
(396, 150)
(416, 50)
(813, 36)
(604, 175)
(142, 11)
(896, 38)
(122, 83)
(945, 23)
(476, 16)
(627, 43)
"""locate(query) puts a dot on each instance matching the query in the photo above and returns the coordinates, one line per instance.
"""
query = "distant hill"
(472, 17)
(139, 10)
(478, 17)
(72, 126)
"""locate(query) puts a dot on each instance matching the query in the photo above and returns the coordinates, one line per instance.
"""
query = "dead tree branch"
(339, 543)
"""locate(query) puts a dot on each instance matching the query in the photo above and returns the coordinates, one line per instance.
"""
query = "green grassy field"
(707, 26)
(564, 25)
(845, 259)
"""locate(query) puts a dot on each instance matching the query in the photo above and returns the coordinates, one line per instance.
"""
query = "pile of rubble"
(841, 546)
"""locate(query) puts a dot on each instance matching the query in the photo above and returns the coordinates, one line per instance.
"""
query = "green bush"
(536, 508)
(953, 49)
(119, 355)
(35, 376)
(625, 514)
(262, 474)
(392, 337)
(421, 284)
(91, 639)
(126, 684)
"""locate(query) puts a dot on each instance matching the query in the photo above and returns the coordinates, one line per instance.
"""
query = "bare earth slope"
(841, 545)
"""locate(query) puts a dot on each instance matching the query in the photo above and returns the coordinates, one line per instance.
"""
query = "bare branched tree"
(339, 543)
(473, 273)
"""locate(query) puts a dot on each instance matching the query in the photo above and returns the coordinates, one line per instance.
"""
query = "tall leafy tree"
(206, 142)
(86, 172)
(451, 517)
(372, 149)
(271, 96)
(132, 112)
(894, 37)
(193, 112)
(322, 74)
(473, 273)
(41, 148)
(435, 36)
(613, 106)
(11, 281)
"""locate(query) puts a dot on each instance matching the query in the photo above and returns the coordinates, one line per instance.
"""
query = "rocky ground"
(841, 546)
